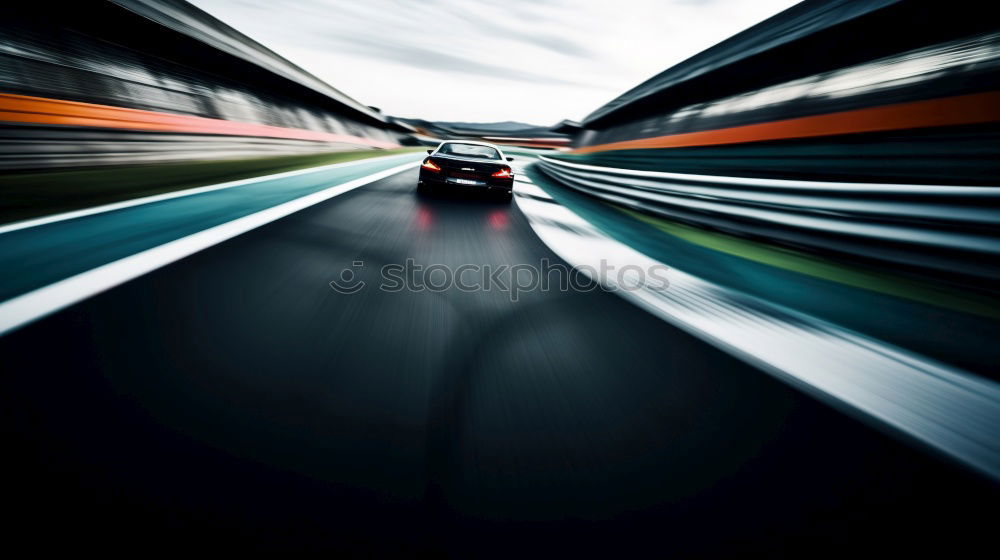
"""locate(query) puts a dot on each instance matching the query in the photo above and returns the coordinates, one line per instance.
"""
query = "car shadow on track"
(479, 196)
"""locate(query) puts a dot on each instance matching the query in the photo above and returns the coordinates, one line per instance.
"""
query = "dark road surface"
(233, 401)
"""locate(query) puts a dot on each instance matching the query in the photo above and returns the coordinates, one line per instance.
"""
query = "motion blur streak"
(139, 81)
(917, 105)
(199, 349)
(173, 234)
(924, 74)
(950, 410)
(953, 111)
(950, 229)
(282, 413)
(37, 110)
(51, 218)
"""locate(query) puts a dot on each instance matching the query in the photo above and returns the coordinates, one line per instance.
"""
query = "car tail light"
(429, 165)
(503, 173)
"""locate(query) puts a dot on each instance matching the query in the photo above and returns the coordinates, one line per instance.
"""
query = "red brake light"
(503, 173)
(429, 165)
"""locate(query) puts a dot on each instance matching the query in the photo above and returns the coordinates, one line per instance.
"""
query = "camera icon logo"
(348, 283)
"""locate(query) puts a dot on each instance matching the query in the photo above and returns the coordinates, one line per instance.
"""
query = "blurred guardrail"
(948, 229)
(863, 128)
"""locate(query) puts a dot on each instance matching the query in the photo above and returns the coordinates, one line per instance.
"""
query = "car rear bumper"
(443, 181)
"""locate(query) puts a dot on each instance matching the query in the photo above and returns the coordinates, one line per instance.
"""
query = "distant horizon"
(525, 125)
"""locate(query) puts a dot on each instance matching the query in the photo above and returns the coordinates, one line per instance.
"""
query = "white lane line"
(946, 408)
(23, 309)
(34, 222)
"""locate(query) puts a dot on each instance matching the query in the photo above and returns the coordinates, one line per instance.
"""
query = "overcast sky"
(535, 61)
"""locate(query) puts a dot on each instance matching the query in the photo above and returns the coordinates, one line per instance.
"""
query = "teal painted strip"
(38, 256)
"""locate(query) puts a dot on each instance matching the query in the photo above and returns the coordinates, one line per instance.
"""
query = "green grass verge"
(803, 263)
(29, 194)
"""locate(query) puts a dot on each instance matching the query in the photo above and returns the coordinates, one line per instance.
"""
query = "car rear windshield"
(469, 150)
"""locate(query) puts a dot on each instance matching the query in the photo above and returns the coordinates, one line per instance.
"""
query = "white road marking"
(529, 189)
(34, 222)
(23, 309)
(944, 407)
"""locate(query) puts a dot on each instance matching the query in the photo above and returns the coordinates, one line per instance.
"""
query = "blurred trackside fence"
(870, 129)
(138, 81)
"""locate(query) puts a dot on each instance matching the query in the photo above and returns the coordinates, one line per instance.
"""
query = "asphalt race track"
(233, 402)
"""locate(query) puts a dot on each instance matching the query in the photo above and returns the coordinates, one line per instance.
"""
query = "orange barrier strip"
(40, 110)
(948, 111)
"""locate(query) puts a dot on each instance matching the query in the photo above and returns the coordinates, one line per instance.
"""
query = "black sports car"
(467, 164)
